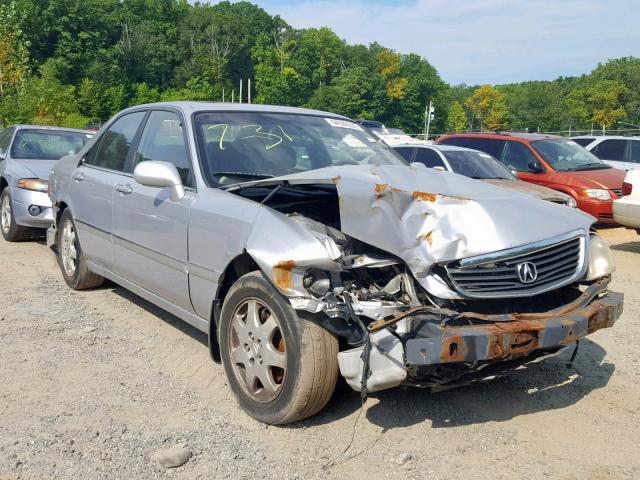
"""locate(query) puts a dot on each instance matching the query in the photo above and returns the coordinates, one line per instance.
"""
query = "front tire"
(11, 231)
(73, 263)
(280, 367)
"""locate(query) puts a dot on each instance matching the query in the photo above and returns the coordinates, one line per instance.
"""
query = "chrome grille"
(557, 261)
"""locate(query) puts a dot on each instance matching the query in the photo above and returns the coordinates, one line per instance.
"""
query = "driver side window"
(517, 156)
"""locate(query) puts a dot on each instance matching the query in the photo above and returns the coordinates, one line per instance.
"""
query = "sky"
(482, 41)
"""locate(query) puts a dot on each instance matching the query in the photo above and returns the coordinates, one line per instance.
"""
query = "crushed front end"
(403, 278)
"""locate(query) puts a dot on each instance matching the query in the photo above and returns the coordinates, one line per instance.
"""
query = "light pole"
(428, 116)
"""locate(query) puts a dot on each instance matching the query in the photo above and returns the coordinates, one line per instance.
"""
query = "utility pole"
(428, 116)
(233, 96)
(249, 89)
(223, 95)
(240, 94)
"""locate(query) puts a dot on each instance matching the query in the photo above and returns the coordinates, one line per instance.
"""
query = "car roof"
(609, 137)
(190, 107)
(436, 146)
(49, 127)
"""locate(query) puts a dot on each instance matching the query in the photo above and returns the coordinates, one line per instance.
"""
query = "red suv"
(554, 162)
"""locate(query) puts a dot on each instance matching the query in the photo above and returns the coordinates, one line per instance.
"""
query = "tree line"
(75, 62)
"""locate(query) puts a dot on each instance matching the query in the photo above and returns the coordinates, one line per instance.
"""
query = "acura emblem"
(527, 272)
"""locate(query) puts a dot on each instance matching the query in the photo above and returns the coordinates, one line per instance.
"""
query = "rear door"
(150, 230)
(93, 182)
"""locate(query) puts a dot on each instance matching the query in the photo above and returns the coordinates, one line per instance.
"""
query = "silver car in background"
(304, 247)
(27, 155)
(477, 165)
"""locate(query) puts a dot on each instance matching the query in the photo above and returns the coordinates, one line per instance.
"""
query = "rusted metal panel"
(512, 339)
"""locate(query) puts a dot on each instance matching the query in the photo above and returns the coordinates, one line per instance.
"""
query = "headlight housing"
(571, 202)
(597, 193)
(33, 184)
(600, 258)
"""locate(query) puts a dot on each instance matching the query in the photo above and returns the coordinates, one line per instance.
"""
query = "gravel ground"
(100, 384)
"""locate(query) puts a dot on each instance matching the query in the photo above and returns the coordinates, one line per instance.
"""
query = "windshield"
(47, 144)
(476, 165)
(567, 155)
(244, 146)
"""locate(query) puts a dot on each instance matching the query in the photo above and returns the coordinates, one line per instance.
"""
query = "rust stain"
(282, 274)
(424, 196)
(428, 237)
(453, 349)
(381, 187)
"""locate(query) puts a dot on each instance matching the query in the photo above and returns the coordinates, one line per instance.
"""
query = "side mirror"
(418, 165)
(535, 167)
(160, 175)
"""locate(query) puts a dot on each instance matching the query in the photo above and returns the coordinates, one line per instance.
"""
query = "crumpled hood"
(426, 216)
(37, 168)
(531, 189)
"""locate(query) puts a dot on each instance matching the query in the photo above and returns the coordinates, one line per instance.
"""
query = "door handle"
(124, 189)
(78, 176)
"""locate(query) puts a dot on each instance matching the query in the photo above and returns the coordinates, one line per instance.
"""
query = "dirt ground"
(94, 383)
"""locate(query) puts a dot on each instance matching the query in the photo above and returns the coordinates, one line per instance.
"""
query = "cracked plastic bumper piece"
(505, 340)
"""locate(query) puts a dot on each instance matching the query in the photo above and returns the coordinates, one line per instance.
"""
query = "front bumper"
(397, 359)
(21, 201)
(602, 210)
(511, 339)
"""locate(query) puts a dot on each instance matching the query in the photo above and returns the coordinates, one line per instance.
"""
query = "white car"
(626, 210)
(618, 151)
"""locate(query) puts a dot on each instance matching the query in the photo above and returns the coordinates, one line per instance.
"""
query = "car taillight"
(626, 189)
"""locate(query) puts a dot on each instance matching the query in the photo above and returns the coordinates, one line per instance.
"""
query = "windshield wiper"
(241, 175)
(589, 166)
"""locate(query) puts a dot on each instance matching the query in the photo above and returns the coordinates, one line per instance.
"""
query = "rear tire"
(73, 263)
(11, 231)
(280, 367)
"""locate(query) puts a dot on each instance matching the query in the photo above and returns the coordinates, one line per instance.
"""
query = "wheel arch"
(236, 268)
(3, 184)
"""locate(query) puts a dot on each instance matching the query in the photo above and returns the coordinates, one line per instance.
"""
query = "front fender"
(284, 249)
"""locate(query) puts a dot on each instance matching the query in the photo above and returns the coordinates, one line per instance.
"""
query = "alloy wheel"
(68, 248)
(5, 215)
(257, 349)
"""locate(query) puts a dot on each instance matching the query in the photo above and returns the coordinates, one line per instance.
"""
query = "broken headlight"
(600, 258)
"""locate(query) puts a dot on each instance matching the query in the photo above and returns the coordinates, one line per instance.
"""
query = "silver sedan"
(27, 155)
(304, 248)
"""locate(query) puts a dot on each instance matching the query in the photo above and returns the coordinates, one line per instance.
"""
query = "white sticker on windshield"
(485, 155)
(352, 141)
(334, 122)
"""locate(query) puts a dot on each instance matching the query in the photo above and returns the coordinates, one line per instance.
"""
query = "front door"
(94, 181)
(150, 230)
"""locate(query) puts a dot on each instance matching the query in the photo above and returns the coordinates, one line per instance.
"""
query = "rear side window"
(5, 139)
(635, 151)
(611, 150)
(163, 140)
(113, 148)
(492, 146)
(583, 142)
(406, 153)
(429, 158)
(517, 156)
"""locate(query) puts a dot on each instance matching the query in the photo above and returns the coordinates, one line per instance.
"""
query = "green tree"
(488, 106)
(457, 118)
(13, 50)
(604, 97)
